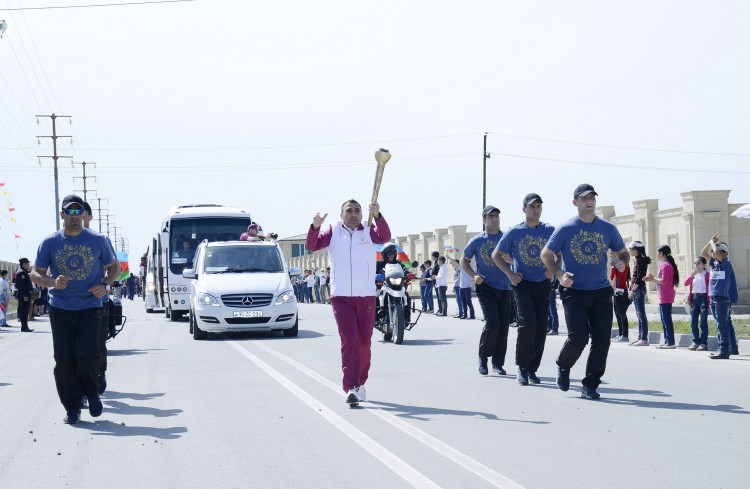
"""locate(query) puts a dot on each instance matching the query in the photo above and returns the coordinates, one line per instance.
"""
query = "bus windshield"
(243, 259)
(186, 234)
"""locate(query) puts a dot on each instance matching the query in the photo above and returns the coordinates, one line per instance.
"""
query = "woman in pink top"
(666, 281)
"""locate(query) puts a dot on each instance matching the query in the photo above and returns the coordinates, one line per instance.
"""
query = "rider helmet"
(389, 253)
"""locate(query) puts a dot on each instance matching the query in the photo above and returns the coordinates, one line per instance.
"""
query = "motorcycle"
(394, 311)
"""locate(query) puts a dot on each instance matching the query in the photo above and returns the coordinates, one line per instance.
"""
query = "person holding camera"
(81, 266)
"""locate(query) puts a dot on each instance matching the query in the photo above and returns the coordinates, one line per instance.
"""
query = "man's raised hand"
(318, 219)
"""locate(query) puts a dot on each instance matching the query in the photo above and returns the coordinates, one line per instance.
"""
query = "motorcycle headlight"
(396, 281)
(208, 300)
(285, 298)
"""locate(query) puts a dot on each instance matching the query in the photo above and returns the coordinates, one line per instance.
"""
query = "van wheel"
(190, 320)
(199, 334)
(174, 315)
(294, 330)
(167, 312)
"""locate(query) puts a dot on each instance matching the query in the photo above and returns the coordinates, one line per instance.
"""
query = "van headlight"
(208, 300)
(285, 298)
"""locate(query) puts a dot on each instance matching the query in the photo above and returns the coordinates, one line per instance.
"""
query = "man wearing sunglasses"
(81, 266)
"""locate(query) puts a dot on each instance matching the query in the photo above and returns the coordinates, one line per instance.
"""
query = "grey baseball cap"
(583, 190)
(489, 209)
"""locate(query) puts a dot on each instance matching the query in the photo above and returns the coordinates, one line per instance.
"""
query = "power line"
(619, 165)
(634, 148)
(316, 145)
(97, 5)
(31, 63)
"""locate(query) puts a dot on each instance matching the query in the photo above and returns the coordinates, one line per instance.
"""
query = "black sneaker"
(734, 352)
(498, 369)
(72, 417)
(101, 384)
(95, 406)
(589, 393)
(482, 366)
(717, 355)
(472, 317)
(533, 378)
(84, 402)
(563, 378)
(523, 376)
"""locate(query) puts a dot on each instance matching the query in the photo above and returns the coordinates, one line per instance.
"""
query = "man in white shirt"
(441, 284)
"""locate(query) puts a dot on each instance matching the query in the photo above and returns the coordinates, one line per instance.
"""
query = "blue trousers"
(467, 302)
(553, 322)
(639, 301)
(665, 311)
(428, 296)
(459, 302)
(699, 311)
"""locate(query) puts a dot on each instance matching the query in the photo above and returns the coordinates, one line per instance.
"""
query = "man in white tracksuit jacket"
(351, 248)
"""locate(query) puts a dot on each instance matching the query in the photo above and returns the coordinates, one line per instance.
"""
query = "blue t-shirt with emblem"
(525, 245)
(81, 259)
(584, 248)
(481, 246)
(720, 278)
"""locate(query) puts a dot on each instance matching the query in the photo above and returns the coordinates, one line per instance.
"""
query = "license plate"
(248, 314)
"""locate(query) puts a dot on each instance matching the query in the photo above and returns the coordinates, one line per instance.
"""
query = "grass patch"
(741, 327)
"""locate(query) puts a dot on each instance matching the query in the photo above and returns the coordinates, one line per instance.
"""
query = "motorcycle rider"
(390, 256)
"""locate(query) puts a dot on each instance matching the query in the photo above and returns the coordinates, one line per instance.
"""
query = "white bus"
(173, 250)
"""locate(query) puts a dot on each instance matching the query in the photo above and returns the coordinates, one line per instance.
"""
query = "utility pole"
(84, 177)
(110, 238)
(485, 155)
(99, 212)
(115, 241)
(54, 157)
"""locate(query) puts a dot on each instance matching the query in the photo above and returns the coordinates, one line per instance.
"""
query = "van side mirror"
(189, 273)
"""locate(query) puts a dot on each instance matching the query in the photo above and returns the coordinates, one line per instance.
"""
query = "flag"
(2, 184)
(122, 258)
(18, 236)
(11, 209)
(13, 219)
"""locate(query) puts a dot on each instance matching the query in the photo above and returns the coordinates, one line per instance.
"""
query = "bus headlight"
(285, 298)
(208, 300)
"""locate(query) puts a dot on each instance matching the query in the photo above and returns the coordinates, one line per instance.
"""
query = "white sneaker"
(351, 397)
(361, 393)
(616, 339)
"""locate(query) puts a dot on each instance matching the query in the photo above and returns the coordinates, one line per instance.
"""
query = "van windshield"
(243, 259)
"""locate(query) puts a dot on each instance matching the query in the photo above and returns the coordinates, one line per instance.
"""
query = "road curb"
(684, 340)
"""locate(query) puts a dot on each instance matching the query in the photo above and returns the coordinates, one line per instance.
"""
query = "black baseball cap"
(73, 199)
(489, 209)
(583, 190)
(530, 198)
(87, 207)
(23, 260)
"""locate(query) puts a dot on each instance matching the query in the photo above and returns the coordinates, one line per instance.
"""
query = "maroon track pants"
(355, 317)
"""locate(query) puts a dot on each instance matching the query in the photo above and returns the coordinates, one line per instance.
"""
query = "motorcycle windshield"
(393, 271)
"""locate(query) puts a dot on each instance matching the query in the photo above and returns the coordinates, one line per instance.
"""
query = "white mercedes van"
(241, 286)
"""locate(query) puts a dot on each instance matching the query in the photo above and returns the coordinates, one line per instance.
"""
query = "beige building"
(685, 229)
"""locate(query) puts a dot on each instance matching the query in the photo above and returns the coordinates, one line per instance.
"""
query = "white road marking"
(381, 454)
(460, 458)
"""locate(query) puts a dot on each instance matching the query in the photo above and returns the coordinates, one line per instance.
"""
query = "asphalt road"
(262, 410)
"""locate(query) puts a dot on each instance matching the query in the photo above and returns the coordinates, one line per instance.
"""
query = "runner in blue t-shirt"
(493, 292)
(720, 289)
(577, 253)
(531, 285)
(77, 259)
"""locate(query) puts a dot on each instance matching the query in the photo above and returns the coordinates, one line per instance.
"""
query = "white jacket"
(352, 256)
